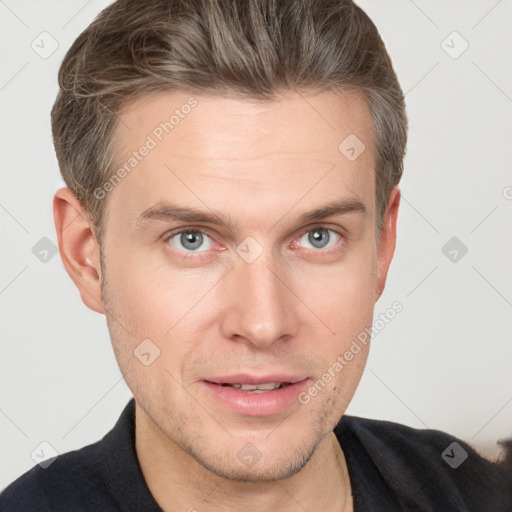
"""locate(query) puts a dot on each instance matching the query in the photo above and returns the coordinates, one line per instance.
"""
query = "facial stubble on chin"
(232, 470)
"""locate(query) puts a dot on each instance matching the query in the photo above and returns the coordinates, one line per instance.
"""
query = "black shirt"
(392, 468)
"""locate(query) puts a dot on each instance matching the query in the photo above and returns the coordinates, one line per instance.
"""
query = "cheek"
(150, 294)
(342, 295)
(343, 299)
(169, 307)
(147, 322)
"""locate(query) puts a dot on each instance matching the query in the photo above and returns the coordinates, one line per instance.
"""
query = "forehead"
(219, 123)
(193, 146)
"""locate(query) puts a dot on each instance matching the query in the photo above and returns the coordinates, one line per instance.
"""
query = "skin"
(292, 310)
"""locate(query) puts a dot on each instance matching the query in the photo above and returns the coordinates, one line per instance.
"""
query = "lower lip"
(257, 404)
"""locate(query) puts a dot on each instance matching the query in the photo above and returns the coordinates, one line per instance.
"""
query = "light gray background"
(445, 362)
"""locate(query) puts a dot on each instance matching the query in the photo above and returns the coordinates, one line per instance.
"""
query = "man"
(232, 171)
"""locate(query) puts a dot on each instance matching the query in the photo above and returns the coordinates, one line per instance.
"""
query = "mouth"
(256, 396)
(257, 388)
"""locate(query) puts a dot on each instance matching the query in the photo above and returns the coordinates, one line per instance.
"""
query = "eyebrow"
(163, 211)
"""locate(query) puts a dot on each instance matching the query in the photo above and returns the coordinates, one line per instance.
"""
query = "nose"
(260, 305)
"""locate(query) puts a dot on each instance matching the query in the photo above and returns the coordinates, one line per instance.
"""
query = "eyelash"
(193, 255)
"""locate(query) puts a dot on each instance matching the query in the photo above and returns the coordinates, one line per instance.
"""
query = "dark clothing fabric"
(392, 468)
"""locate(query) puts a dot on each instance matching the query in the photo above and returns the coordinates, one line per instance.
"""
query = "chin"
(258, 467)
(260, 472)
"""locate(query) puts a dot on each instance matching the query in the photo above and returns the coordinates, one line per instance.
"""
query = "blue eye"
(190, 241)
(320, 238)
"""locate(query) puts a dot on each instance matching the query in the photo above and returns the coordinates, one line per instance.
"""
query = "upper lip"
(245, 378)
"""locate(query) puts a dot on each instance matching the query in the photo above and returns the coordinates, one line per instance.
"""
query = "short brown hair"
(254, 49)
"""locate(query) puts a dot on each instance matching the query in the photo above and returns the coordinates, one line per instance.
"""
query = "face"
(240, 249)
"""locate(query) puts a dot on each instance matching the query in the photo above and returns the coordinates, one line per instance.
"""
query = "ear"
(78, 247)
(387, 241)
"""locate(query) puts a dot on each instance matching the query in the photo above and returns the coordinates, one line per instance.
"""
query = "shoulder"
(72, 482)
(425, 467)
(105, 476)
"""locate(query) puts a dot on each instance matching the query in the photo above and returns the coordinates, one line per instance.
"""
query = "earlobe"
(387, 242)
(78, 247)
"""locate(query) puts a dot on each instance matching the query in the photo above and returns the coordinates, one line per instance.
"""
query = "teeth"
(259, 387)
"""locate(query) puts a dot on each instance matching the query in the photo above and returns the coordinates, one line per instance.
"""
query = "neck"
(179, 483)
